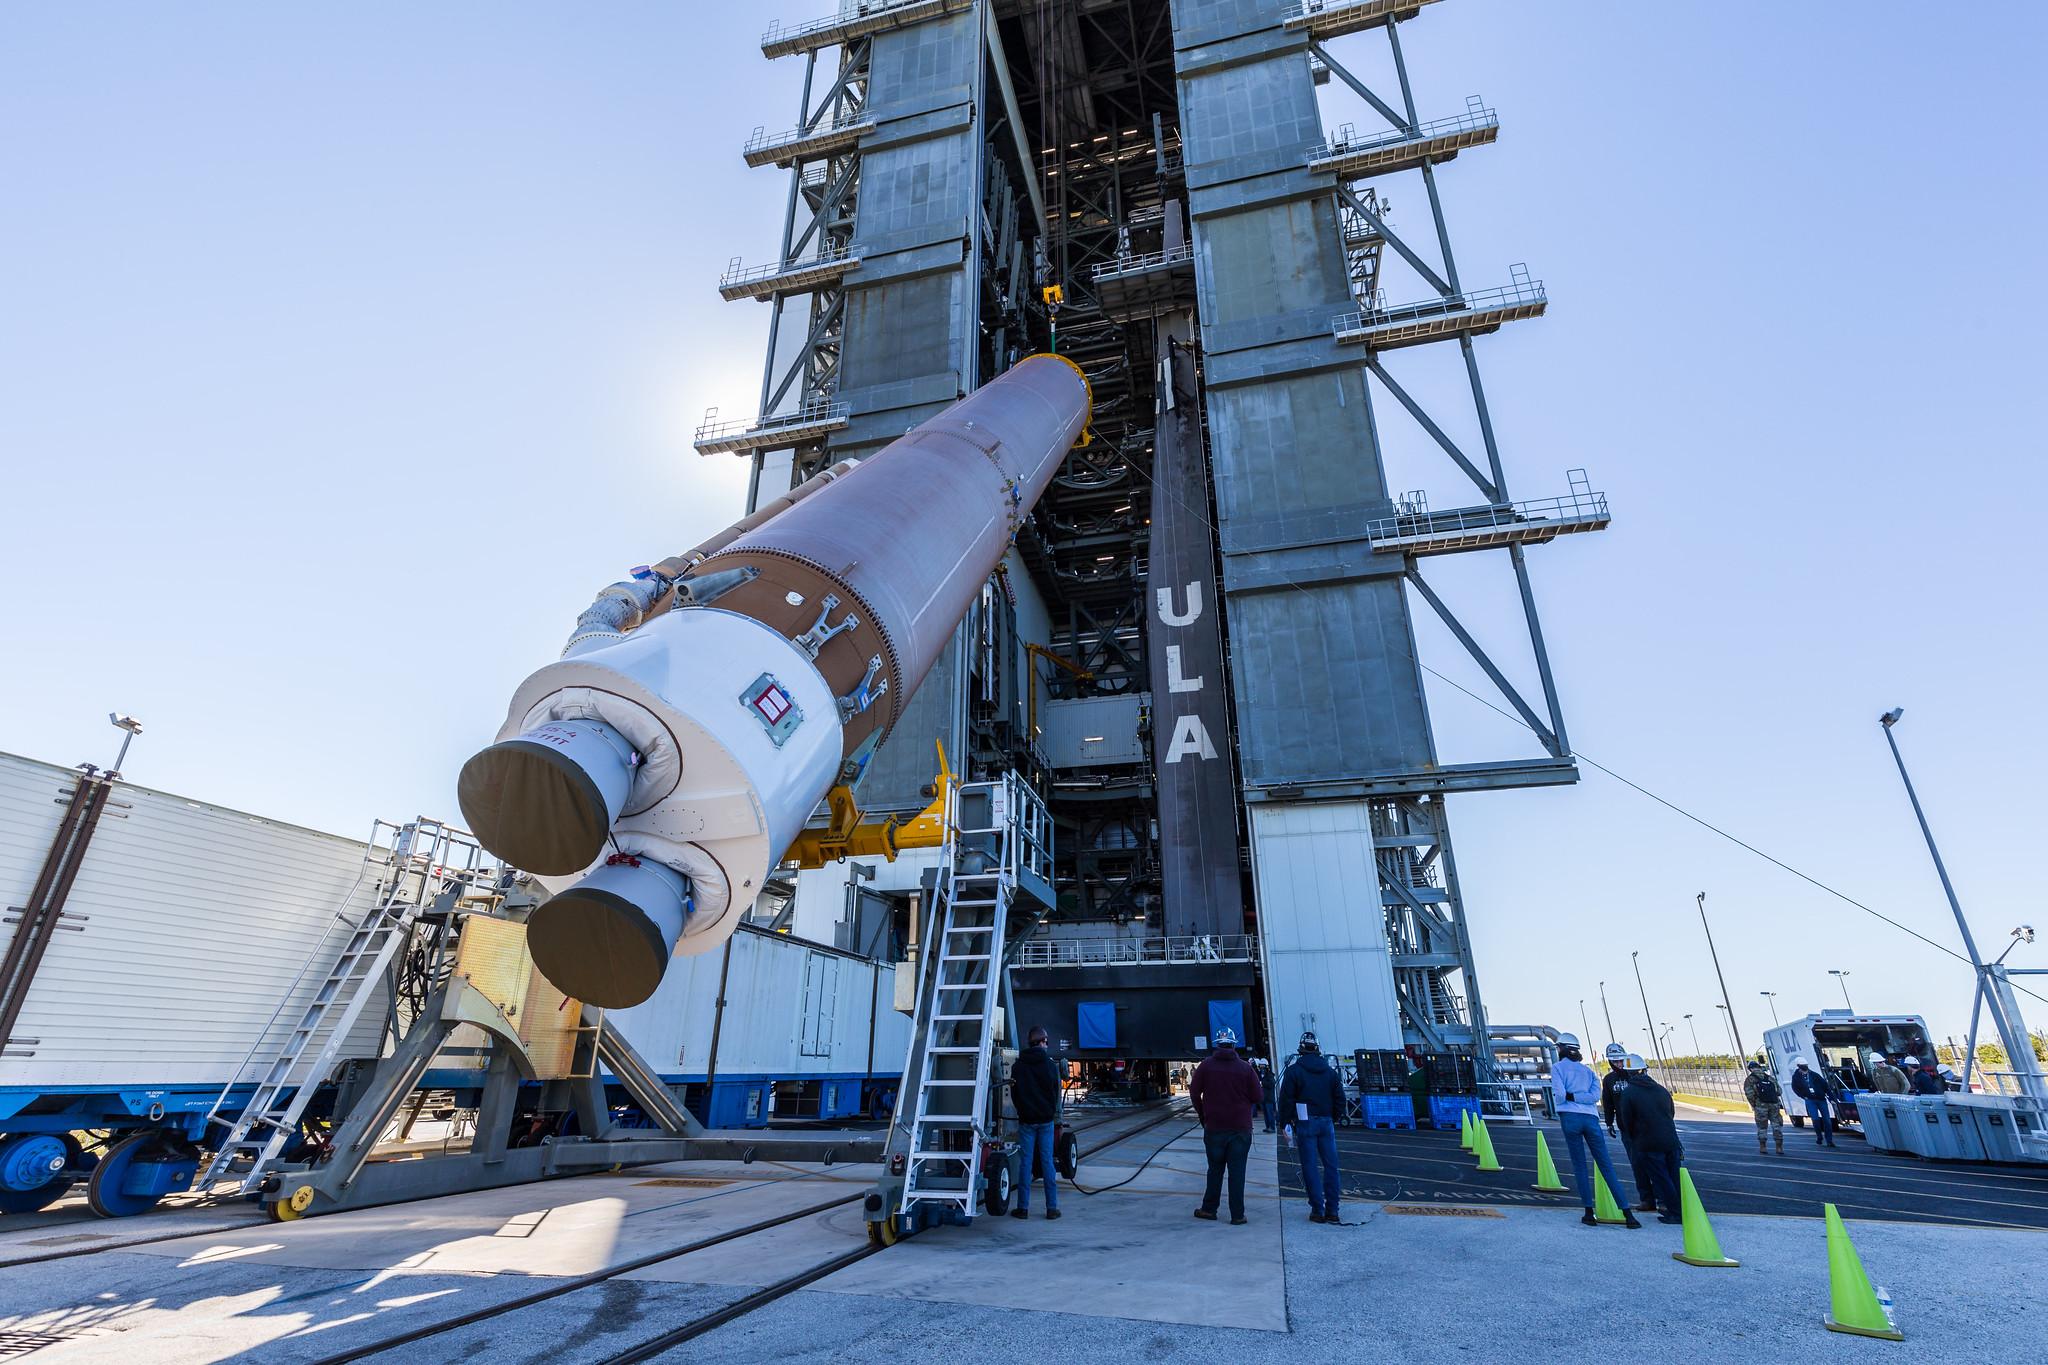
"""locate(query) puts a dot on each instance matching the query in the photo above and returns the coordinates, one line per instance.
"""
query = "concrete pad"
(1135, 1252)
(300, 1291)
(566, 1227)
(1537, 1282)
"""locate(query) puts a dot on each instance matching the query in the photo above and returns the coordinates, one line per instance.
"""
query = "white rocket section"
(715, 796)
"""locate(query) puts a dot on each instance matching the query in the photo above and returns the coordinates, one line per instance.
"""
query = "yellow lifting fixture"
(846, 835)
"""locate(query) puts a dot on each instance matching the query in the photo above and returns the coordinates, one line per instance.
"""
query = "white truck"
(1840, 1045)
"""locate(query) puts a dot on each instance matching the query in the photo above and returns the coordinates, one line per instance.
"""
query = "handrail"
(1152, 260)
(1345, 142)
(1153, 951)
(1469, 301)
(810, 414)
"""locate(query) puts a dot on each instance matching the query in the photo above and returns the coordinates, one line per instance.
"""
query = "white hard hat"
(1912, 1061)
(1635, 1061)
(1567, 1040)
(1226, 1037)
(1616, 1053)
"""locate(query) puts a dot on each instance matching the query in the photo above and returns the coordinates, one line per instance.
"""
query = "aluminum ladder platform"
(421, 855)
(994, 883)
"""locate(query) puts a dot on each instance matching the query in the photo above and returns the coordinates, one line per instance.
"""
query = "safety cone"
(1605, 1210)
(1852, 1303)
(1482, 1143)
(1465, 1130)
(1546, 1170)
(1701, 1246)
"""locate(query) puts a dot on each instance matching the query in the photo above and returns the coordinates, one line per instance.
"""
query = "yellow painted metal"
(492, 955)
(846, 835)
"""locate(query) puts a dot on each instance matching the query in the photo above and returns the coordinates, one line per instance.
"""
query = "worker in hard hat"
(1766, 1104)
(1649, 1125)
(1885, 1078)
(1924, 1079)
(1618, 1063)
(1225, 1092)
(1311, 1102)
(1575, 1096)
(1810, 1086)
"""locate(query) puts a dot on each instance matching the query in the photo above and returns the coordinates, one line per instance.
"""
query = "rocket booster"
(655, 774)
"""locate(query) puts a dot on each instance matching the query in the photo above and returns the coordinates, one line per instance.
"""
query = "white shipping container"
(1322, 927)
(794, 1011)
(188, 923)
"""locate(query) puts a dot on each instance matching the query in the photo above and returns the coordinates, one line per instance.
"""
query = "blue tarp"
(1097, 1020)
(1226, 1014)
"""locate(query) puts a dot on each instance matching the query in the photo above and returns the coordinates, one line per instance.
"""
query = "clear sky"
(344, 351)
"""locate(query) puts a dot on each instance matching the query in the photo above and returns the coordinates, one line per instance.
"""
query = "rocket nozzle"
(545, 801)
(607, 940)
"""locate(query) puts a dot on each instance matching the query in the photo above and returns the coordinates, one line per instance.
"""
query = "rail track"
(1161, 1113)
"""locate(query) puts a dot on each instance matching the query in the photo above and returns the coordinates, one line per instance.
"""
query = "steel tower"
(1202, 650)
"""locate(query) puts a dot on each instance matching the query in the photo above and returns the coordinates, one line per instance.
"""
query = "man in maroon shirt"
(1226, 1092)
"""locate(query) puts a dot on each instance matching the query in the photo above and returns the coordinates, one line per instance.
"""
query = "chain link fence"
(1718, 1083)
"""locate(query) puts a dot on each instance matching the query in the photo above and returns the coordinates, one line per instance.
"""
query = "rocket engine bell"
(655, 774)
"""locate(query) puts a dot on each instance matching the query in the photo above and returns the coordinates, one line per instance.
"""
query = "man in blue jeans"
(1311, 1098)
(1035, 1094)
(1575, 1095)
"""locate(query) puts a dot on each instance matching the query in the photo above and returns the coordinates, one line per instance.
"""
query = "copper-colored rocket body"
(905, 540)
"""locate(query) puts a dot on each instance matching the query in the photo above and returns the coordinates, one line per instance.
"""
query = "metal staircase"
(423, 856)
(998, 844)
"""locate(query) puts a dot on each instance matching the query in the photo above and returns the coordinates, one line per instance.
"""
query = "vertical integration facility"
(1201, 648)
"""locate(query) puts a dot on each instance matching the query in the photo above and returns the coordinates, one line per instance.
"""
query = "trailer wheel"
(995, 1187)
(1066, 1153)
(104, 1193)
(882, 1232)
(26, 1155)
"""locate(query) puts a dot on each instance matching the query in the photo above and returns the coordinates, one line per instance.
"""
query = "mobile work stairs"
(427, 865)
(992, 887)
(446, 908)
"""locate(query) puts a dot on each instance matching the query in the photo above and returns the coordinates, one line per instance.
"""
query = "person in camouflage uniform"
(1766, 1102)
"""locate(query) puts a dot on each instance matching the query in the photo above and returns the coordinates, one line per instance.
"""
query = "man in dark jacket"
(1649, 1124)
(1808, 1086)
(1035, 1093)
(1923, 1078)
(1225, 1092)
(1619, 1060)
(1311, 1100)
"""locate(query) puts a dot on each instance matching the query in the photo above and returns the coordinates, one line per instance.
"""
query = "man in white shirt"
(1575, 1095)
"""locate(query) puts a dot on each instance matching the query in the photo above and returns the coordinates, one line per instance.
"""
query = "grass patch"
(1711, 1102)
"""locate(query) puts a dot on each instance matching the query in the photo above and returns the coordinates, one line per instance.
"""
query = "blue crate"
(1444, 1109)
(1388, 1111)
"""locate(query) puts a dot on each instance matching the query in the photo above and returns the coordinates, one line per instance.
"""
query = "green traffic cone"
(1464, 1130)
(1852, 1303)
(1605, 1210)
(1546, 1170)
(1701, 1246)
(1482, 1143)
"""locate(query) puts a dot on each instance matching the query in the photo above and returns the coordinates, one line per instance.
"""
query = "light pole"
(1993, 986)
(1731, 1031)
(1715, 953)
(1771, 996)
(1649, 1020)
(1607, 1012)
(1697, 1050)
(1842, 979)
(1584, 1020)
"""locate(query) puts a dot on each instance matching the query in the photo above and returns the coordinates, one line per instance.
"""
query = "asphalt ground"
(1392, 1166)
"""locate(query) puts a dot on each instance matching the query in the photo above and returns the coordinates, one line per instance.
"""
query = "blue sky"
(346, 352)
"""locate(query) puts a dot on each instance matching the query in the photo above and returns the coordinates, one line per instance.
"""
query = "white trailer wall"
(188, 923)
(793, 1010)
(1322, 928)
